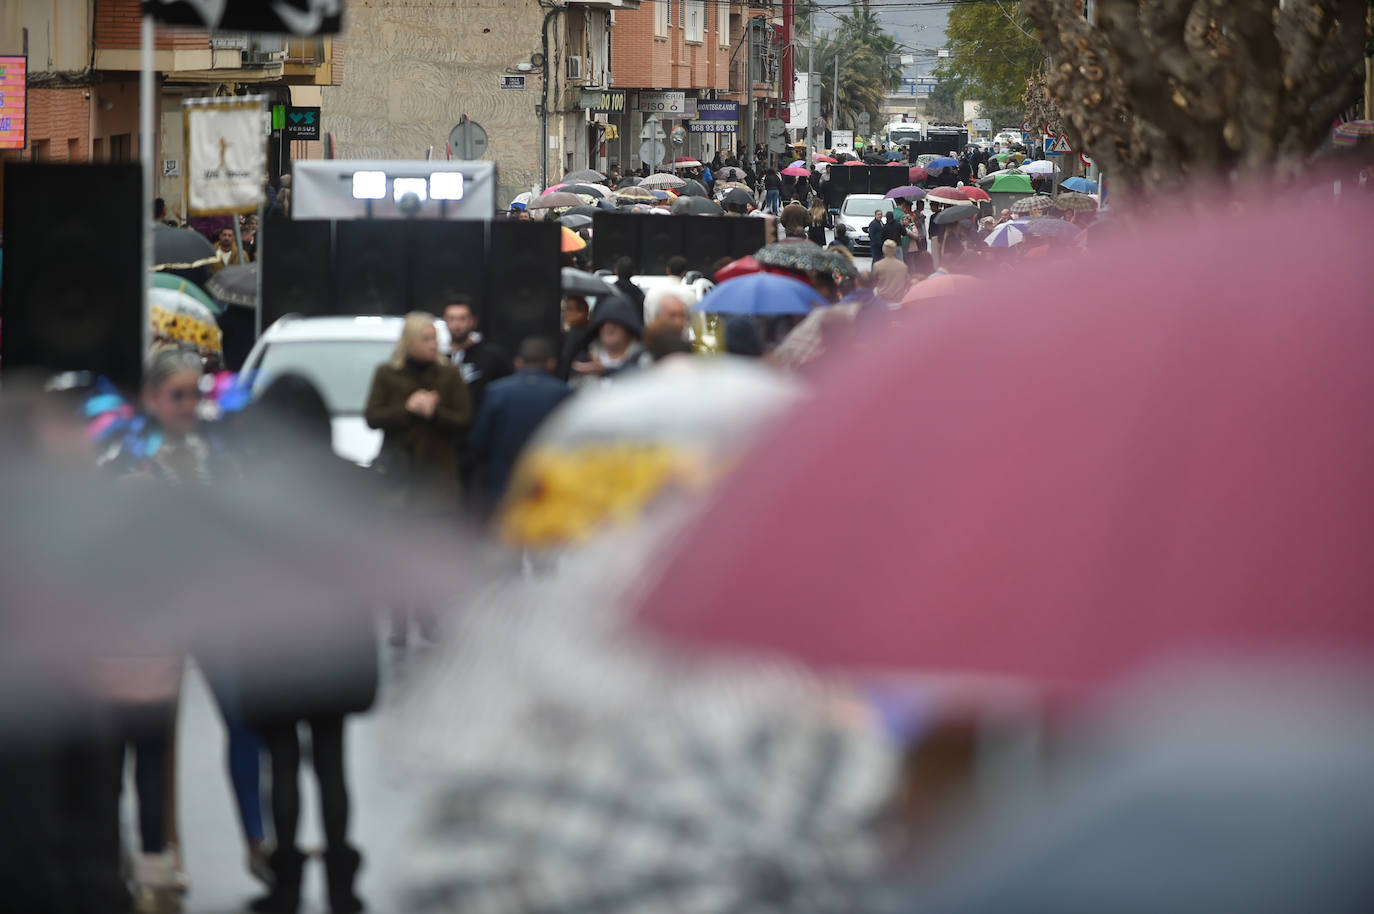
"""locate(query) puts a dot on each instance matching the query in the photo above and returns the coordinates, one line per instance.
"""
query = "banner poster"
(226, 154)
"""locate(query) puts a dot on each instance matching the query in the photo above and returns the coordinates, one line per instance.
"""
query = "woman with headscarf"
(611, 344)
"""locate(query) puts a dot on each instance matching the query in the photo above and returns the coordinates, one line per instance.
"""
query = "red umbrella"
(742, 267)
(856, 162)
(797, 172)
(974, 194)
(917, 174)
(1064, 483)
(825, 159)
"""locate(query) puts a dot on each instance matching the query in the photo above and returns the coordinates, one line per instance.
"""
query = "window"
(121, 147)
(723, 22)
(73, 150)
(694, 19)
(662, 15)
(97, 150)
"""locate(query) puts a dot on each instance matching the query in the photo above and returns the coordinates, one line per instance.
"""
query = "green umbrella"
(176, 283)
(1011, 184)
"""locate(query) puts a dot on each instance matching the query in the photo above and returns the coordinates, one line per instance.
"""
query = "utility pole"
(835, 93)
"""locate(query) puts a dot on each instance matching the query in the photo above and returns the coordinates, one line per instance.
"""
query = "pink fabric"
(1165, 446)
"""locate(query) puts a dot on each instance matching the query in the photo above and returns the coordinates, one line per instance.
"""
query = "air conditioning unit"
(574, 68)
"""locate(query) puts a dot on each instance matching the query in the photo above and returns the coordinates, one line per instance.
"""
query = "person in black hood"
(611, 343)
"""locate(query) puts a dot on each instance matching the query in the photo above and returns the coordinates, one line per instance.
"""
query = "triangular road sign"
(1061, 146)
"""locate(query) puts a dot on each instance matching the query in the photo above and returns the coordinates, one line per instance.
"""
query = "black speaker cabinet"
(615, 235)
(370, 267)
(706, 240)
(524, 283)
(660, 238)
(296, 261)
(445, 262)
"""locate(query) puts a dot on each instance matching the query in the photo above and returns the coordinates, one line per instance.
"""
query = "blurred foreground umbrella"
(777, 817)
(586, 175)
(1036, 205)
(801, 256)
(236, 285)
(1225, 791)
(180, 318)
(696, 206)
(760, 293)
(1159, 461)
(742, 267)
(578, 282)
(953, 286)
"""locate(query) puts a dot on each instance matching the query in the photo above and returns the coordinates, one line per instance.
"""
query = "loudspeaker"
(370, 267)
(660, 237)
(615, 235)
(297, 268)
(706, 240)
(885, 178)
(746, 236)
(524, 283)
(445, 261)
(837, 186)
(73, 296)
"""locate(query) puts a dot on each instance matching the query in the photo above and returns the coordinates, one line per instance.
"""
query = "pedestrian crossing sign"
(1057, 146)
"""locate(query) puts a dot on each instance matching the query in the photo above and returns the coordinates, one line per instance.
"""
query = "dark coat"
(875, 237)
(481, 363)
(420, 455)
(513, 409)
(634, 293)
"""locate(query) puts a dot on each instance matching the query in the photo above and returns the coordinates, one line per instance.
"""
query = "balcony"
(308, 61)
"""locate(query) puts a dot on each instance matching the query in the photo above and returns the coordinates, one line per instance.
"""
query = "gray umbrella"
(575, 221)
(695, 206)
(1049, 227)
(1211, 792)
(577, 282)
(586, 174)
(731, 173)
(692, 188)
(235, 285)
(180, 248)
(956, 214)
(736, 197)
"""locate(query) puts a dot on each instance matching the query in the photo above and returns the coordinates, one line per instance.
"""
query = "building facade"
(83, 82)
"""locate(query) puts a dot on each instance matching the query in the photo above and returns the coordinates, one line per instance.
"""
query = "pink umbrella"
(797, 171)
(944, 285)
(1171, 453)
(917, 174)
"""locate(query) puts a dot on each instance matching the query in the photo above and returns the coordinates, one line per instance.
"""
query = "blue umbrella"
(893, 156)
(1080, 184)
(943, 162)
(760, 293)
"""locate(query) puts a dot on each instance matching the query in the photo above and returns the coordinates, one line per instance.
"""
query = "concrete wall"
(416, 66)
(59, 33)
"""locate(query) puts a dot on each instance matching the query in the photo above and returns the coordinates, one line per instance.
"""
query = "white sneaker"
(156, 888)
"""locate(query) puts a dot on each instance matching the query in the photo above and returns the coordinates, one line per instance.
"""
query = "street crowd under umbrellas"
(823, 576)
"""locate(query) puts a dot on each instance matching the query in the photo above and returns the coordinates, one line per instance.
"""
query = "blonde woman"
(816, 232)
(419, 402)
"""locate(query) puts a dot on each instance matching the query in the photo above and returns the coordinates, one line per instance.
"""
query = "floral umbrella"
(802, 256)
(1036, 205)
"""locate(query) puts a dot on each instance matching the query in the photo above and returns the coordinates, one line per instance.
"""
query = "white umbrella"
(1005, 235)
(1039, 167)
(661, 180)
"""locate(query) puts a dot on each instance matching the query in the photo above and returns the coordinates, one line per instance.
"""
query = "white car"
(338, 355)
(857, 211)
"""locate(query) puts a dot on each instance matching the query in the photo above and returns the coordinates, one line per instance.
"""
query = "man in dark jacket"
(514, 408)
(480, 361)
(875, 236)
(624, 270)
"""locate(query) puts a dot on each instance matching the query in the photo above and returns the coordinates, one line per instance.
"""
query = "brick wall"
(642, 60)
(56, 118)
(336, 59)
(118, 24)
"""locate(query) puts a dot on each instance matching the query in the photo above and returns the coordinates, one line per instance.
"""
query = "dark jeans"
(147, 729)
(327, 758)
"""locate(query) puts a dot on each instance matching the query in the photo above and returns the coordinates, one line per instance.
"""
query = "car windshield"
(865, 207)
(340, 369)
(902, 137)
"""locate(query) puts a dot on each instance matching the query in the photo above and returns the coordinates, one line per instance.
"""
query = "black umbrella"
(692, 188)
(180, 248)
(736, 197)
(577, 282)
(586, 174)
(630, 181)
(875, 160)
(956, 214)
(589, 190)
(696, 206)
(575, 221)
(235, 285)
(587, 209)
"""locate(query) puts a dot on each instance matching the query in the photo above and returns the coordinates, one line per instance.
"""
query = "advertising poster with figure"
(226, 146)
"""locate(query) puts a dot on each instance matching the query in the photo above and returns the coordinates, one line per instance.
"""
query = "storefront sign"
(605, 101)
(302, 123)
(715, 117)
(14, 88)
(670, 103)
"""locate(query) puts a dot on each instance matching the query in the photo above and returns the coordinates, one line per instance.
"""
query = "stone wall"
(416, 66)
